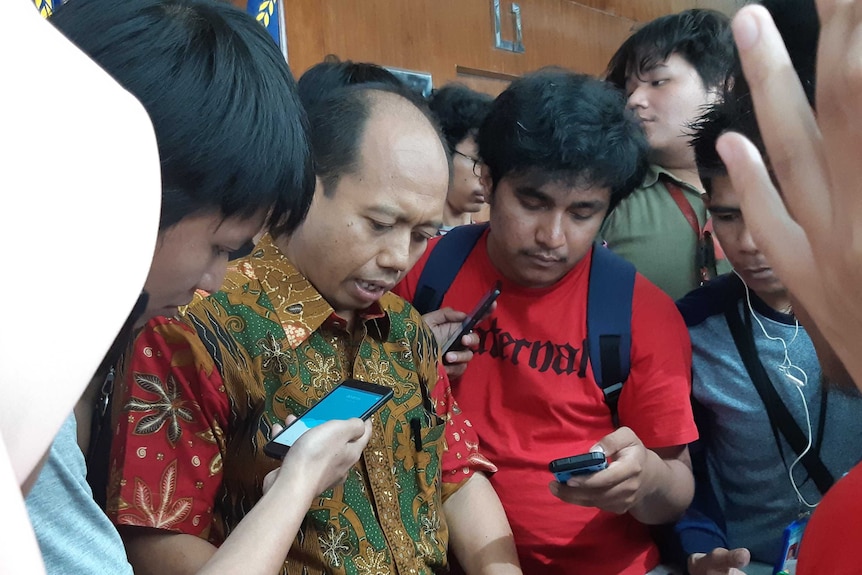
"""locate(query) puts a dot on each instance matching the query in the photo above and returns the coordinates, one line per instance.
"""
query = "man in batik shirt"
(293, 319)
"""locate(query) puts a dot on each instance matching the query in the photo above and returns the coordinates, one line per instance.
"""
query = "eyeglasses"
(476, 163)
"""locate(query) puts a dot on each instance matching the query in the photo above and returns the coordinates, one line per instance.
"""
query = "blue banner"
(266, 12)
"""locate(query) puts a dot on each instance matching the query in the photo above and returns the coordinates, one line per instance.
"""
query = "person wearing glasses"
(460, 111)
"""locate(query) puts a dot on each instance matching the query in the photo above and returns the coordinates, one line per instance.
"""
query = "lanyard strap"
(780, 418)
(705, 261)
(687, 211)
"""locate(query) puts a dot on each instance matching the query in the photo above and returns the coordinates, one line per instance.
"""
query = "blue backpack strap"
(609, 323)
(443, 265)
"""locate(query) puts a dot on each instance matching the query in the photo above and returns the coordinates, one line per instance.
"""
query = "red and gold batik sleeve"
(170, 410)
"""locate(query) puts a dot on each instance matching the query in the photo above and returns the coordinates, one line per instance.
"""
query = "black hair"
(564, 126)
(231, 132)
(337, 125)
(732, 114)
(319, 81)
(702, 37)
(459, 111)
(798, 24)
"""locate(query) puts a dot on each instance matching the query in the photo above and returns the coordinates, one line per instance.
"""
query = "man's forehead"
(649, 59)
(538, 179)
(722, 192)
(404, 131)
(574, 189)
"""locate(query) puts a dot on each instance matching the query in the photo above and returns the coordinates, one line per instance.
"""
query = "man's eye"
(582, 216)
(380, 227)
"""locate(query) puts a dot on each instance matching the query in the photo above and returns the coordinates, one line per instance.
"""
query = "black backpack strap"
(609, 323)
(101, 430)
(443, 265)
(780, 417)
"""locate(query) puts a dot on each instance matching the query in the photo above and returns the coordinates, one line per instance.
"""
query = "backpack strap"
(780, 418)
(443, 265)
(609, 323)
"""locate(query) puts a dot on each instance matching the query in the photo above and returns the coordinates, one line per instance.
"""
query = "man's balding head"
(382, 177)
(339, 123)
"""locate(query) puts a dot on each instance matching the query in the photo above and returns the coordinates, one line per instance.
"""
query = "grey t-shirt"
(74, 534)
(745, 467)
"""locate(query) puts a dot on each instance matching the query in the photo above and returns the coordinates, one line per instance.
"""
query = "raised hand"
(811, 231)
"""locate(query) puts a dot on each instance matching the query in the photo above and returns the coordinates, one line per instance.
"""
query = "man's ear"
(486, 182)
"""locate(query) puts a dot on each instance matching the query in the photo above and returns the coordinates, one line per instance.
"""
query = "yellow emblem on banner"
(264, 12)
(45, 7)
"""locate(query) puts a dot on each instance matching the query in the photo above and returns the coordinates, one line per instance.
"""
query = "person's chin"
(538, 272)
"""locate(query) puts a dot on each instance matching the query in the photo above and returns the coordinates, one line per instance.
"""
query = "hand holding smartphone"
(567, 467)
(351, 398)
(474, 317)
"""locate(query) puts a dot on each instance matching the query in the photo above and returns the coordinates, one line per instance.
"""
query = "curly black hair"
(459, 111)
(559, 125)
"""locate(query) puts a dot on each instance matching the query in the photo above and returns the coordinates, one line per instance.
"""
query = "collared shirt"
(202, 394)
(648, 229)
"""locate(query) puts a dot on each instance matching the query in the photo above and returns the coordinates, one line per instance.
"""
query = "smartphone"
(582, 464)
(350, 398)
(454, 341)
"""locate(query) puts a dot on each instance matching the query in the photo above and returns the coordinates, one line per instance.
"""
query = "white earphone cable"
(799, 378)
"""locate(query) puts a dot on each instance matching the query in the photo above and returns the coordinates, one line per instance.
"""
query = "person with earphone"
(772, 439)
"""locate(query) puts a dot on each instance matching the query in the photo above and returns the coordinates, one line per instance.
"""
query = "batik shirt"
(202, 392)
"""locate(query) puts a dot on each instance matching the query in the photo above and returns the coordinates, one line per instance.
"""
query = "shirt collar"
(656, 172)
(300, 307)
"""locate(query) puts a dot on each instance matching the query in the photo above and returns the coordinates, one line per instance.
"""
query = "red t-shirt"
(829, 543)
(529, 406)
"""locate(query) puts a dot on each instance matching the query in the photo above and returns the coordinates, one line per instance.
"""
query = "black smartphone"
(350, 398)
(454, 341)
(567, 467)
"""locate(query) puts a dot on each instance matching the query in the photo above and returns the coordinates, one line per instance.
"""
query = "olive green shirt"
(649, 229)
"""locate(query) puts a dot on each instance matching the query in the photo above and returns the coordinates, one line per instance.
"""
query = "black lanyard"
(780, 418)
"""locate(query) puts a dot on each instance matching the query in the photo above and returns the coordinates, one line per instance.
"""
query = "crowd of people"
(672, 247)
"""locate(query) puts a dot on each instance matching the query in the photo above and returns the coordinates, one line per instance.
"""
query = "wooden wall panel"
(453, 39)
(645, 10)
(438, 35)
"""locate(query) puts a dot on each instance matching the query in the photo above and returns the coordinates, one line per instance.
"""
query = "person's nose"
(746, 241)
(550, 233)
(395, 255)
(638, 98)
(213, 276)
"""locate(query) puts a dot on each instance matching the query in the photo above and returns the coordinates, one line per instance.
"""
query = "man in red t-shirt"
(559, 151)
